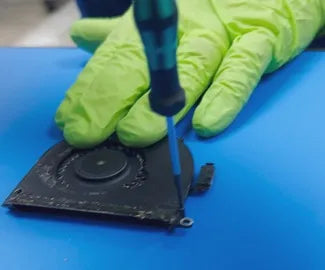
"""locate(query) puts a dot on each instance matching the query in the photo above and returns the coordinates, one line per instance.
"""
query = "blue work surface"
(266, 209)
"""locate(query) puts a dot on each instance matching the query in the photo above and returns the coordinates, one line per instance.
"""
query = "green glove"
(225, 46)
(88, 34)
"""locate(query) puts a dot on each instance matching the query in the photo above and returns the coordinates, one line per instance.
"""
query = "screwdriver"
(157, 22)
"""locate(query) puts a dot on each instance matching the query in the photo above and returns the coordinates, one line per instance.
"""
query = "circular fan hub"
(101, 164)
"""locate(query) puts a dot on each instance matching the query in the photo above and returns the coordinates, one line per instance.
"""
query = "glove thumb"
(88, 34)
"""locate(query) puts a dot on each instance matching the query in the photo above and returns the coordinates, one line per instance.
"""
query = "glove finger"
(199, 55)
(242, 68)
(88, 34)
(114, 78)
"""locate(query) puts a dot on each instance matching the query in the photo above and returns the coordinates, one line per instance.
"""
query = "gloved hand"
(225, 46)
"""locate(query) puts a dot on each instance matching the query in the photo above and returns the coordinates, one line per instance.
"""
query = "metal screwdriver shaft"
(176, 166)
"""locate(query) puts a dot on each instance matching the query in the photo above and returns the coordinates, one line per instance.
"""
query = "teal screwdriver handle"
(157, 22)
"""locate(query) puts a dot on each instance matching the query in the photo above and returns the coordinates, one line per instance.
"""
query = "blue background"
(266, 209)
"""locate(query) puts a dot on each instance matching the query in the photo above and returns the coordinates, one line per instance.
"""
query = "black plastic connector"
(205, 179)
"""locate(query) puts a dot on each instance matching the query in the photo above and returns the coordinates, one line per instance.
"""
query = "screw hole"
(186, 222)
(18, 191)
